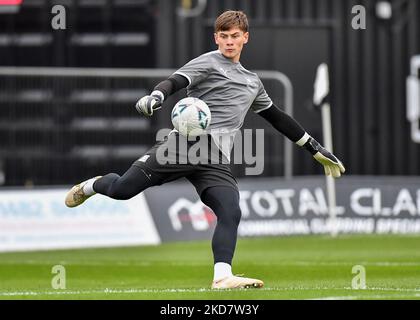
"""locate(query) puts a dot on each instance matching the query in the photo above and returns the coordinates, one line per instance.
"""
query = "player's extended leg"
(224, 201)
(134, 181)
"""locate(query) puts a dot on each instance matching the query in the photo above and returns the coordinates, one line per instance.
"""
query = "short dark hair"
(230, 19)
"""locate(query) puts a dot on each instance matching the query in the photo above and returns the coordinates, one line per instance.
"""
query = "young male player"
(230, 90)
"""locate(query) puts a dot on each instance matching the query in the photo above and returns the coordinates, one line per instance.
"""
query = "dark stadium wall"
(296, 52)
(368, 70)
(97, 34)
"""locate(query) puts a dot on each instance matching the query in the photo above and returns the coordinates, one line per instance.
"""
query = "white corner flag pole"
(326, 131)
(321, 91)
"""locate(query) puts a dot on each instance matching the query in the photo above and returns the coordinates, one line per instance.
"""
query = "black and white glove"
(332, 165)
(148, 104)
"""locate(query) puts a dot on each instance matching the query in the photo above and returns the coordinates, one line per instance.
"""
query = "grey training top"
(229, 90)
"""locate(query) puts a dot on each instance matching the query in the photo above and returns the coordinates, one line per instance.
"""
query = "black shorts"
(203, 175)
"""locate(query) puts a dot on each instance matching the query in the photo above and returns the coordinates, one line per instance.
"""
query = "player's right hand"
(332, 166)
(148, 104)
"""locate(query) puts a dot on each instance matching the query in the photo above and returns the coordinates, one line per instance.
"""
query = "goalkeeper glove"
(148, 104)
(332, 165)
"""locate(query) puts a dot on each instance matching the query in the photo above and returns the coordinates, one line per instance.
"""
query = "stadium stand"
(47, 126)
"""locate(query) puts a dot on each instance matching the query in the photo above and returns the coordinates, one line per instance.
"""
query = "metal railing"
(72, 105)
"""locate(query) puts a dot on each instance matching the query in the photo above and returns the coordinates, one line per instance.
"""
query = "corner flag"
(320, 100)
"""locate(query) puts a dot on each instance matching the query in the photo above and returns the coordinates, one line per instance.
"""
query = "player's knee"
(115, 194)
(236, 215)
(119, 192)
(232, 214)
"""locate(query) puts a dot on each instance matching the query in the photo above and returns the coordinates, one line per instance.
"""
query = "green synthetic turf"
(310, 267)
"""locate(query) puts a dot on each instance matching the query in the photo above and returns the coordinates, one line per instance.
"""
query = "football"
(191, 117)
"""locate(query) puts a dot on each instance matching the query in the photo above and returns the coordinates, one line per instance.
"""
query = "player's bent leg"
(224, 201)
(134, 181)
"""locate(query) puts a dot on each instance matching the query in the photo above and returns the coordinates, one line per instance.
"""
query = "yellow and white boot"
(77, 195)
(236, 282)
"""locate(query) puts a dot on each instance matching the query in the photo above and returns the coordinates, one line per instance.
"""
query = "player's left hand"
(332, 165)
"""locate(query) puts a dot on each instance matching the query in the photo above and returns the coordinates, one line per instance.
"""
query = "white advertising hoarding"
(39, 220)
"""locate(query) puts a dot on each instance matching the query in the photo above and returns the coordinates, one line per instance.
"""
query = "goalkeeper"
(230, 90)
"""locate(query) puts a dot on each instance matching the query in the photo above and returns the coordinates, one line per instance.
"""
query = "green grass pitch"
(311, 267)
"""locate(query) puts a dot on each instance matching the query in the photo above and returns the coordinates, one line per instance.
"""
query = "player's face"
(231, 42)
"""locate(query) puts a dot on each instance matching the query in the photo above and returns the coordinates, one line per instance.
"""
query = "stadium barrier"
(279, 207)
(38, 220)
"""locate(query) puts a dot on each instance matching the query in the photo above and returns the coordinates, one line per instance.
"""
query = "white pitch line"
(124, 291)
(414, 292)
(104, 291)
(416, 295)
(261, 263)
